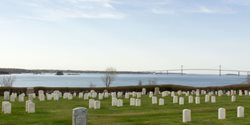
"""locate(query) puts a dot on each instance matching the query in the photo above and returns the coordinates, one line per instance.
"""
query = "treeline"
(38, 71)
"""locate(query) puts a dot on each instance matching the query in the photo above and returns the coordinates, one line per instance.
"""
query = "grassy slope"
(59, 113)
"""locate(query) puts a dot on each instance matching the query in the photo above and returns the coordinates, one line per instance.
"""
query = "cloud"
(191, 6)
(66, 9)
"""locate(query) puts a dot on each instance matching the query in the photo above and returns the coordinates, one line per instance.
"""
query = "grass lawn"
(60, 113)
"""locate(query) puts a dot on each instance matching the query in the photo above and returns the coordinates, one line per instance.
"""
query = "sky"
(131, 35)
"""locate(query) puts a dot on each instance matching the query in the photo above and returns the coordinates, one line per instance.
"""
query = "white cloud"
(185, 6)
(68, 9)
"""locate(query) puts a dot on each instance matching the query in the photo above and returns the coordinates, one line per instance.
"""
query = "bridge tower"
(220, 70)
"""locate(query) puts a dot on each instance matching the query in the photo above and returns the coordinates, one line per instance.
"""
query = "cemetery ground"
(60, 112)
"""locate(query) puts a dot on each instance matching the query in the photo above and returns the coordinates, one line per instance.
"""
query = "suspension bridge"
(220, 70)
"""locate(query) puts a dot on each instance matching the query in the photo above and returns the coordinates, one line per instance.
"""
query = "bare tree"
(7, 81)
(109, 76)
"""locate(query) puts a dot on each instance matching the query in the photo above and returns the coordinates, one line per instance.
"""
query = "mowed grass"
(60, 113)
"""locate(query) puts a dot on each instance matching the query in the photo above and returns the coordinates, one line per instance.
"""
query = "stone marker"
(114, 102)
(197, 100)
(157, 90)
(233, 98)
(119, 103)
(154, 100)
(161, 101)
(6, 95)
(97, 104)
(144, 91)
(213, 99)
(221, 113)
(207, 98)
(175, 99)
(30, 107)
(132, 101)
(79, 116)
(240, 111)
(6, 107)
(91, 103)
(138, 102)
(186, 115)
(181, 101)
(190, 99)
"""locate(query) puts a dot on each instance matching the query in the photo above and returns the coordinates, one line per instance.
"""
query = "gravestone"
(100, 96)
(79, 116)
(6, 107)
(154, 100)
(197, 100)
(151, 94)
(240, 111)
(30, 107)
(97, 104)
(181, 101)
(213, 99)
(161, 101)
(221, 113)
(233, 98)
(186, 115)
(190, 99)
(144, 91)
(207, 98)
(21, 98)
(80, 95)
(157, 90)
(6, 95)
(119, 103)
(91, 103)
(138, 102)
(114, 102)
(132, 101)
(175, 99)
(29, 90)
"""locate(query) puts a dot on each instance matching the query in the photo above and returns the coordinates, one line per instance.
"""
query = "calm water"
(84, 80)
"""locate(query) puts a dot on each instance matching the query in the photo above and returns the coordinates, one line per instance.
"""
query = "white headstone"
(30, 107)
(132, 101)
(6, 107)
(175, 99)
(138, 102)
(79, 116)
(6, 95)
(161, 101)
(119, 103)
(181, 101)
(233, 98)
(207, 98)
(97, 104)
(91, 103)
(197, 100)
(154, 100)
(213, 99)
(221, 113)
(240, 111)
(190, 99)
(186, 115)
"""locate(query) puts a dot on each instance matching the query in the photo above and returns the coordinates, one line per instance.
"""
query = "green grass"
(60, 113)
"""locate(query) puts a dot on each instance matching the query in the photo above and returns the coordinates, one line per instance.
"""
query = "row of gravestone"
(29, 107)
(186, 114)
(79, 115)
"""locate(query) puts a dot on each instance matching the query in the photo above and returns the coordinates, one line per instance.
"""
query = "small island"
(59, 73)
